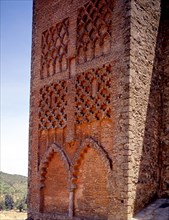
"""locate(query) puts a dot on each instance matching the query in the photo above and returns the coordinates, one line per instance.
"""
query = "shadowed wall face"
(148, 107)
(165, 101)
(145, 103)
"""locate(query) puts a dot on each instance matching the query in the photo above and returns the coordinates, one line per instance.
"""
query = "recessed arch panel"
(91, 173)
(54, 177)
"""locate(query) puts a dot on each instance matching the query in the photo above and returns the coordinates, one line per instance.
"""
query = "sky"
(15, 62)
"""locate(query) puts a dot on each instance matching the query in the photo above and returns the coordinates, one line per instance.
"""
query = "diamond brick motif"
(93, 97)
(52, 106)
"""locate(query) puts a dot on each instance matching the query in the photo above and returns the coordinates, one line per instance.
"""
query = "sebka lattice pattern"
(93, 95)
(94, 30)
(54, 57)
(52, 107)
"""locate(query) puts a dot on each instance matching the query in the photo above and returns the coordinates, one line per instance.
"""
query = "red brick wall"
(79, 92)
(98, 108)
(92, 193)
(55, 192)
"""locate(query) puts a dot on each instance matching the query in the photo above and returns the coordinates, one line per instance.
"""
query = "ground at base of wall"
(158, 210)
(12, 215)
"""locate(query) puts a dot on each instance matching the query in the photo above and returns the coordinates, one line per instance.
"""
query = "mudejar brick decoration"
(99, 122)
(53, 102)
(54, 58)
(94, 30)
(93, 95)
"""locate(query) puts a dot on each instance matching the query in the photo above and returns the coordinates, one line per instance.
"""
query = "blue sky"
(15, 58)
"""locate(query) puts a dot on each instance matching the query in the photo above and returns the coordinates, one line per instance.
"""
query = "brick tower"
(99, 109)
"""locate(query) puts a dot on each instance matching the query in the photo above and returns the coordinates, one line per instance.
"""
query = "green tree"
(2, 204)
(9, 202)
(21, 204)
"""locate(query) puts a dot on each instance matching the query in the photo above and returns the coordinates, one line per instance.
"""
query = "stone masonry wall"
(79, 110)
(144, 110)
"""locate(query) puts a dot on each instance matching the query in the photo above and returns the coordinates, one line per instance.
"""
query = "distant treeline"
(13, 192)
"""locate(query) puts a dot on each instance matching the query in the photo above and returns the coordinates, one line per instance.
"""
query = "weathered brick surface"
(143, 111)
(148, 103)
(56, 192)
(95, 126)
(165, 101)
(92, 194)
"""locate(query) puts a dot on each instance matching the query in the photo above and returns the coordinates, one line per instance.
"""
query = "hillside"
(15, 186)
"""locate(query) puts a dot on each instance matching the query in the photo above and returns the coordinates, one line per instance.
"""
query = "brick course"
(98, 118)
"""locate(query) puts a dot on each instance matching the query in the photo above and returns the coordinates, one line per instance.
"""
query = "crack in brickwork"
(93, 96)
(54, 58)
(94, 30)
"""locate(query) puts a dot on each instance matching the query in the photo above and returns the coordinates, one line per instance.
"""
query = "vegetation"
(13, 192)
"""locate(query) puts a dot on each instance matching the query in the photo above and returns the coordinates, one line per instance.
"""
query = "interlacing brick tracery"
(52, 107)
(81, 97)
(93, 95)
(54, 58)
(94, 29)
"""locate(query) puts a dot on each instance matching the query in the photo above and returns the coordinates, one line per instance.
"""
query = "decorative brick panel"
(93, 95)
(94, 30)
(54, 58)
(52, 106)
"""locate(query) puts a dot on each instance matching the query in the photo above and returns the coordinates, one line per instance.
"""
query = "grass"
(12, 215)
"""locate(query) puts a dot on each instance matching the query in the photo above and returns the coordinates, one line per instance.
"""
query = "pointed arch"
(79, 156)
(54, 174)
(90, 143)
(106, 43)
(91, 173)
(98, 48)
(55, 148)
